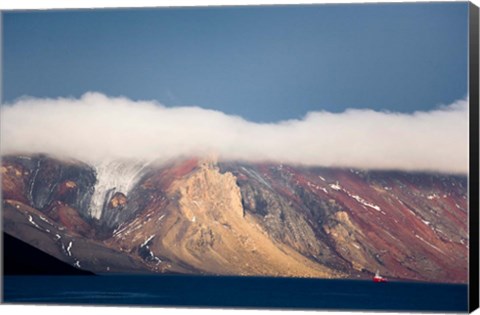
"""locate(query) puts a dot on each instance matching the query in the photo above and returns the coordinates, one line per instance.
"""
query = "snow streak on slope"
(114, 176)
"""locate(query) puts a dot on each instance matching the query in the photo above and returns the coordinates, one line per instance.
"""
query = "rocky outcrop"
(207, 186)
(280, 210)
(118, 201)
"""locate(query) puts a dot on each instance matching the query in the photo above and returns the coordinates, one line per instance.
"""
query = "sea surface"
(234, 292)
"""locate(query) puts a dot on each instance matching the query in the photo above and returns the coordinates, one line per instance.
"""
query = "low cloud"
(97, 127)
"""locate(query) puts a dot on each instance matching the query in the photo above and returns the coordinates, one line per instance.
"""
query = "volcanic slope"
(205, 228)
(201, 216)
(407, 225)
(45, 203)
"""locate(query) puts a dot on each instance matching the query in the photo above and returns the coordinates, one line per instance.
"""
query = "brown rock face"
(40, 181)
(70, 219)
(14, 181)
(118, 200)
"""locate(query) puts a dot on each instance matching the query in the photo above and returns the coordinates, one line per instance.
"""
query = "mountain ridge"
(207, 216)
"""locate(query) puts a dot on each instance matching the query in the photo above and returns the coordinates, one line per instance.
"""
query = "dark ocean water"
(237, 292)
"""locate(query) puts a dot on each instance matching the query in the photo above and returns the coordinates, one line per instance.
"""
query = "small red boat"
(379, 278)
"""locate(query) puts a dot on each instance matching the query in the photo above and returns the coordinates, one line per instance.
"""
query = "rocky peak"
(207, 189)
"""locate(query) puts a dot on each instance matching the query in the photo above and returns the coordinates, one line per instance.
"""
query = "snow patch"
(147, 240)
(155, 258)
(365, 203)
(335, 187)
(431, 245)
(117, 229)
(425, 222)
(44, 219)
(135, 225)
(160, 218)
(68, 249)
(30, 219)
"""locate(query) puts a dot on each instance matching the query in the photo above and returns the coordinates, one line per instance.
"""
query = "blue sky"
(262, 63)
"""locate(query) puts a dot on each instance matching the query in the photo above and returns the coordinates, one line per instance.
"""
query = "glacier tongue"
(114, 176)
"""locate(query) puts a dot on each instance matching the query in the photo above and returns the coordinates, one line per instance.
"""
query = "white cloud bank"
(97, 127)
